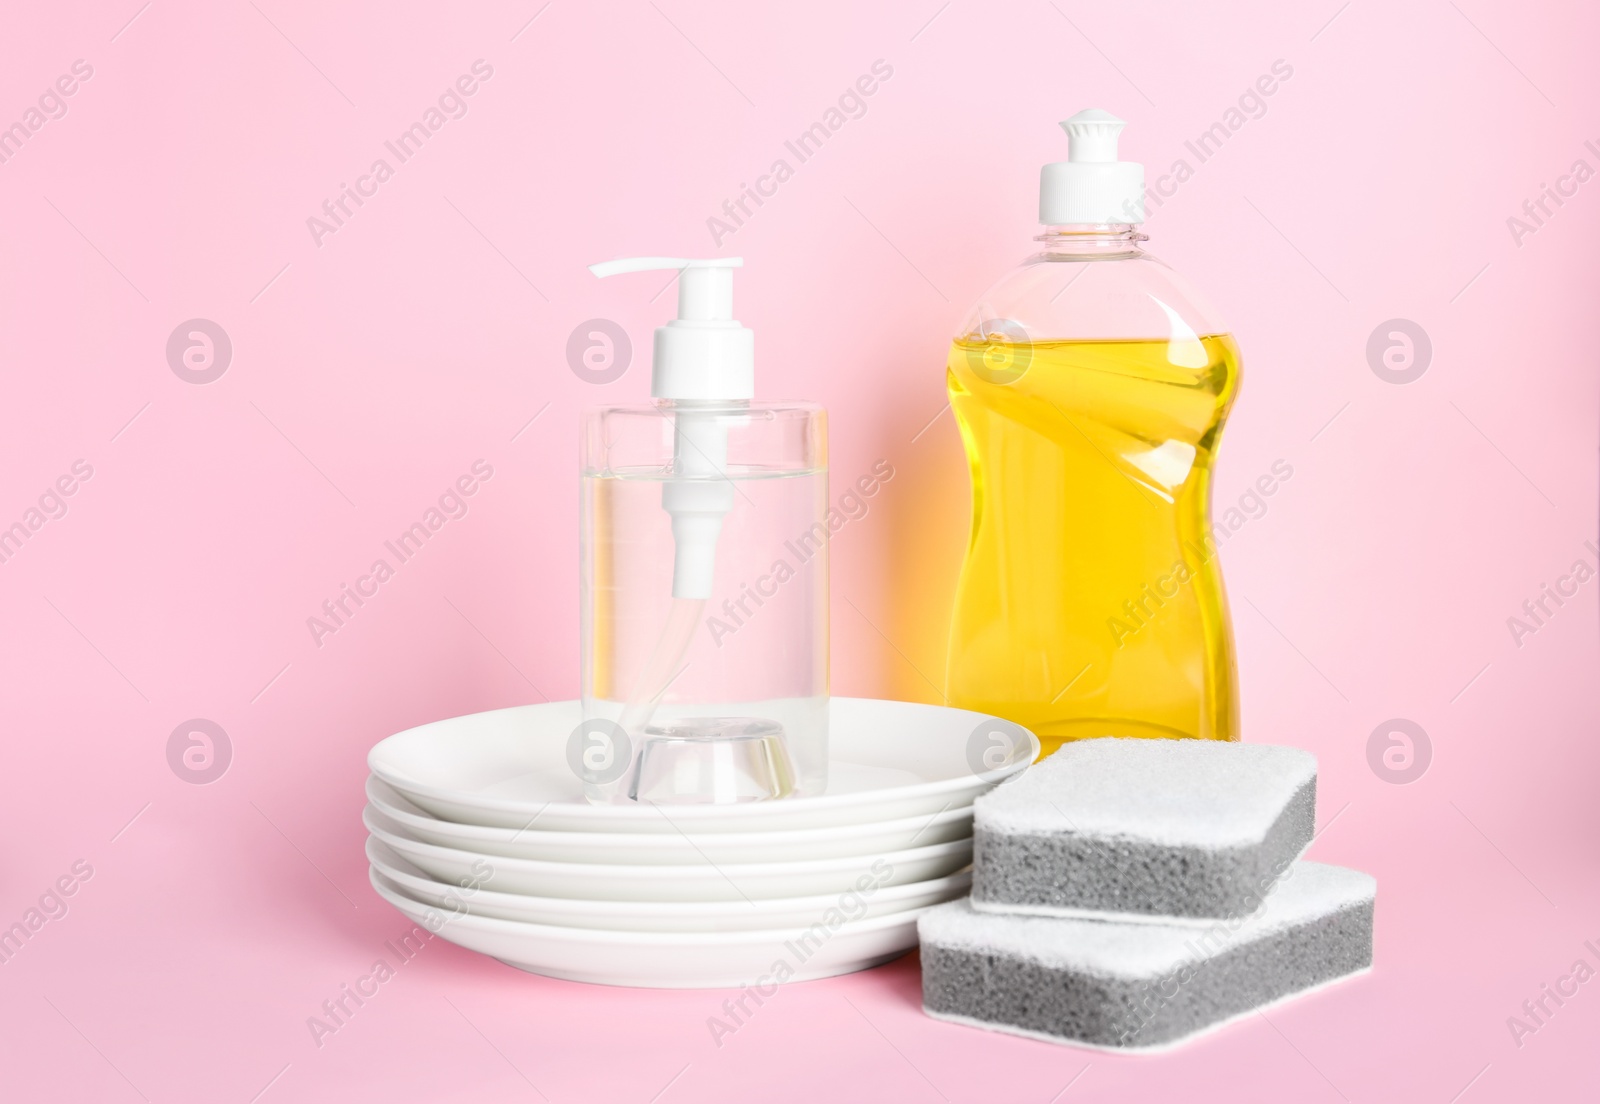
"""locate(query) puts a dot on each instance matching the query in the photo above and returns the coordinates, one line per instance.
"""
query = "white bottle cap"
(703, 354)
(1091, 185)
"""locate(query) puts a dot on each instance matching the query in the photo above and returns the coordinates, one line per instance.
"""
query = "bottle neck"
(1087, 241)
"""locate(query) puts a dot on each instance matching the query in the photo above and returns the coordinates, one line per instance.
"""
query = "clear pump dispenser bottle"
(704, 569)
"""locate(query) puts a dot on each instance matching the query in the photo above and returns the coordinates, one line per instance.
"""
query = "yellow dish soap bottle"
(1090, 386)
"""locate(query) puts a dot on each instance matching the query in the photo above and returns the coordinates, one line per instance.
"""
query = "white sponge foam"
(1203, 793)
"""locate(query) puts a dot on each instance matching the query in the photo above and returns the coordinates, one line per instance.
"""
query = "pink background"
(372, 370)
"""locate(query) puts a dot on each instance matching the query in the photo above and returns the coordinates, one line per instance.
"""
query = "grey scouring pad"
(1160, 830)
(1142, 985)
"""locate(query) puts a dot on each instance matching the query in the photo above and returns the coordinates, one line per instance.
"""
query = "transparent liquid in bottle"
(744, 671)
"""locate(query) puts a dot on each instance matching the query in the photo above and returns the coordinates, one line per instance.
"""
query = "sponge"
(1156, 829)
(1130, 985)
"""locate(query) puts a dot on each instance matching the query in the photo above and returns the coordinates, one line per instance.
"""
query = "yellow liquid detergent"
(1090, 601)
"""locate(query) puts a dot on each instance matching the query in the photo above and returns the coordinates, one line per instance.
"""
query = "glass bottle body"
(728, 692)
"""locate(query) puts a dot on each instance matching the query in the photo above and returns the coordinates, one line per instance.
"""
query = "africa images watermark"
(51, 905)
(851, 905)
(451, 104)
(1143, 608)
(1250, 105)
(199, 751)
(1399, 751)
(339, 1010)
(51, 104)
(851, 104)
(1399, 351)
(199, 351)
(1537, 611)
(1537, 1011)
(1538, 210)
(852, 506)
(49, 506)
(450, 506)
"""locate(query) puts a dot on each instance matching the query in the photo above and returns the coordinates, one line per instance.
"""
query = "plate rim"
(628, 908)
(644, 939)
(754, 810)
(498, 834)
(727, 870)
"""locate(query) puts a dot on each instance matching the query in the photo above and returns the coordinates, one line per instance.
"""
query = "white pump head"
(1091, 186)
(703, 354)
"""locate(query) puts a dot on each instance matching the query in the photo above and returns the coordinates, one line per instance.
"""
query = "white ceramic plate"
(701, 882)
(888, 761)
(686, 849)
(657, 916)
(671, 960)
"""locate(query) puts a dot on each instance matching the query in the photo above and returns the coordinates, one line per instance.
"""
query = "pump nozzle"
(703, 361)
(703, 354)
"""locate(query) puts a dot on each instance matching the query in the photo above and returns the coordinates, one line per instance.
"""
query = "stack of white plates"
(481, 834)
